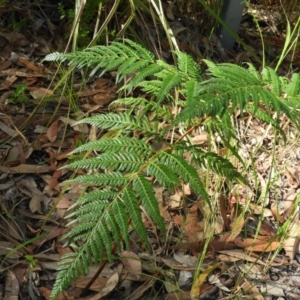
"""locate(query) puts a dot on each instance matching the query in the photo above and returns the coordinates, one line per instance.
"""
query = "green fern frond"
(137, 146)
(103, 218)
(144, 188)
(169, 82)
(144, 73)
(184, 170)
(217, 164)
(188, 67)
(142, 52)
(85, 209)
(114, 228)
(102, 194)
(131, 202)
(121, 219)
(293, 87)
(130, 102)
(122, 161)
(269, 76)
(253, 71)
(192, 90)
(163, 175)
(123, 121)
(233, 87)
(113, 179)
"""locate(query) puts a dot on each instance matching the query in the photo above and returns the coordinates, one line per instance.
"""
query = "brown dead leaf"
(45, 292)
(236, 227)
(223, 210)
(25, 169)
(97, 285)
(177, 219)
(6, 84)
(12, 286)
(132, 263)
(200, 139)
(39, 92)
(62, 250)
(241, 255)
(15, 38)
(192, 229)
(104, 98)
(29, 65)
(251, 289)
(175, 200)
(175, 265)
(158, 190)
(6, 247)
(186, 260)
(7, 129)
(110, 285)
(35, 204)
(52, 232)
(264, 247)
(138, 293)
(52, 131)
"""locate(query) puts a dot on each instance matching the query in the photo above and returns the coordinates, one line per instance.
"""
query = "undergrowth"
(136, 153)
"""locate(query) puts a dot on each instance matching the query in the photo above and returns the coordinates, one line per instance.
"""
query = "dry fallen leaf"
(132, 263)
(196, 288)
(52, 131)
(110, 286)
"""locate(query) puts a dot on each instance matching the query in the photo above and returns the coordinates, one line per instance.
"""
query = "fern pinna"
(126, 167)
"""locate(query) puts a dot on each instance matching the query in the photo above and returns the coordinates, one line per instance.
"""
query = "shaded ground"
(36, 136)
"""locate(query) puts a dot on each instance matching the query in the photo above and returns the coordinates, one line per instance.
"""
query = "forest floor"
(36, 135)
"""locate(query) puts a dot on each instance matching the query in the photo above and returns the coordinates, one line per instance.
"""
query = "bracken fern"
(127, 164)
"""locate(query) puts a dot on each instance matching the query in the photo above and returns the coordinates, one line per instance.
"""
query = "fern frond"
(101, 218)
(122, 161)
(144, 73)
(293, 87)
(111, 221)
(84, 211)
(123, 121)
(130, 102)
(269, 76)
(151, 87)
(163, 175)
(112, 179)
(144, 188)
(142, 52)
(169, 82)
(188, 67)
(217, 164)
(192, 91)
(180, 166)
(131, 202)
(232, 87)
(137, 146)
(102, 194)
(121, 219)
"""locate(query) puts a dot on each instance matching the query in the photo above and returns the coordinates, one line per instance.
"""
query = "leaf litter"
(241, 256)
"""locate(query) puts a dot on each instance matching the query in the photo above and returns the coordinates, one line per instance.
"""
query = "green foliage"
(125, 167)
(18, 95)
